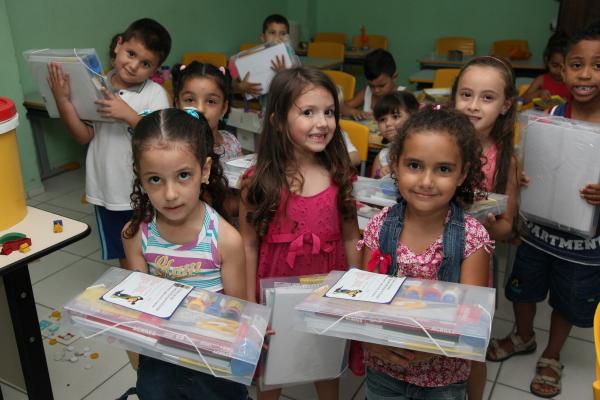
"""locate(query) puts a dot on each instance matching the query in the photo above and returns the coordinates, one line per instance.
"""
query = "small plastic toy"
(13, 245)
(24, 248)
(58, 226)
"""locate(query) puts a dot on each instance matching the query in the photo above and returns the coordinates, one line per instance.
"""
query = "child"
(139, 51)
(391, 112)
(436, 161)
(380, 71)
(484, 90)
(274, 30)
(550, 83)
(297, 214)
(173, 171)
(551, 260)
(207, 89)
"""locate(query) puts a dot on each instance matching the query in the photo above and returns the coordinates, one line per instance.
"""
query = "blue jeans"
(381, 386)
(160, 380)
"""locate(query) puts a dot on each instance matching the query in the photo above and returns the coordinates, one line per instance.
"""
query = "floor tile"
(61, 211)
(59, 288)
(349, 385)
(12, 394)
(72, 201)
(97, 256)
(115, 386)
(88, 245)
(361, 394)
(502, 392)
(487, 391)
(50, 264)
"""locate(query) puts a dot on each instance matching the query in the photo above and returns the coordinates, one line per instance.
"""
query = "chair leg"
(363, 168)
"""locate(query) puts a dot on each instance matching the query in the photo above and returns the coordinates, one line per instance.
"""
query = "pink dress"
(438, 370)
(305, 240)
(489, 166)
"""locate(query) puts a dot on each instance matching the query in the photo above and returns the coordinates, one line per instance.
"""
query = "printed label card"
(149, 294)
(366, 286)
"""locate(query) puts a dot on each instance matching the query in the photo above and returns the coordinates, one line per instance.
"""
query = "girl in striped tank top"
(176, 234)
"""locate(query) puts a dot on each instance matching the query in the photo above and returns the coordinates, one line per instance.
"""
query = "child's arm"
(474, 269)
(232, 261)
(501, 227)
(351, 107)
(113, 106)
(59, 84)
(251, 245)
(133, 251)
(535, 90)
(350, 236)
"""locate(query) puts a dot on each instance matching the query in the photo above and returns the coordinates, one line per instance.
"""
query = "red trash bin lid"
(7, 109)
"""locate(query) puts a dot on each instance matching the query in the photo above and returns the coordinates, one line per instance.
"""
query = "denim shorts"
(381, 386)
(574, 288)
(110, 224)
(160, 380)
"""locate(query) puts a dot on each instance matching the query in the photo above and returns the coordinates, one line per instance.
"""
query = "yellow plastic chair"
(359, 136)
(596, 384)
(346, 81)
(246, 46)
(444, 77)
(332, 37)
(326, 50)
(216, 59)
(373, 41)
(511, 48)
(465, 44)
(522, 89)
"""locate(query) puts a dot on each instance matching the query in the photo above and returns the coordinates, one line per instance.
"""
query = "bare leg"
(476, 382)
(328, 390)
(524, 314)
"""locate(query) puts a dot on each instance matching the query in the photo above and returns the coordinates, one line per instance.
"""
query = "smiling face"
(390, 124)
(429, 171)
(581, 73)
(311, 121)
(133, 63)
(172, 176)
(203, 94)
(480, 95)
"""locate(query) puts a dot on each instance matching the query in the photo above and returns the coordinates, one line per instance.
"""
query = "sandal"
(519, 347)
(552, 382)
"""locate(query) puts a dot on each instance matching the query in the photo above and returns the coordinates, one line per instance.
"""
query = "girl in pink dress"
(297, 215)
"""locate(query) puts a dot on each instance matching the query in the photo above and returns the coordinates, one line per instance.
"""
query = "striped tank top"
(195, 263)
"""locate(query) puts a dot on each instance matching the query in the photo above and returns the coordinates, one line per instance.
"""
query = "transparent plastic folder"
(85, 77)
(209, 332)
(431, 316)
(560, 156)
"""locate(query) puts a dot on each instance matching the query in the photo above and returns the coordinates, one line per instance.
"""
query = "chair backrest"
(359, 136)
(508, 48)
(346, 81)
(216, 59)
(444, 77)
(246, 46)
(373, 41)
(465, 44)
(333, 37)
(326, 50)
(596, 384)
(522, 89)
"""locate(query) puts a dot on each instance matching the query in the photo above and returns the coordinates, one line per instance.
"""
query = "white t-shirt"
(109, 164)
(349, 146)
(369, 96)
(384, 156)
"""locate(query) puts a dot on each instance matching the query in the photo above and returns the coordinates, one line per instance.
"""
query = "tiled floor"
(61, 275)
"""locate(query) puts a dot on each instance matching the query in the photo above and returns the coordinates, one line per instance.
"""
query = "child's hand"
(278, 64)
(113, 106)
(59, 84)
(489, 222)
(390, 354)
(268, 332)
(591, 193)
(545, 95)
(384, 171)
(360, 115)
(247, 87)
(523, 180)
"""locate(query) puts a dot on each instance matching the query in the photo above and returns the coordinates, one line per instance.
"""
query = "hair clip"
(192, 111)
(222, 69)
(436, 107)
(182, 67)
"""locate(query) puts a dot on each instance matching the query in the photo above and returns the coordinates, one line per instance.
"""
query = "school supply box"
(205, 331)
(85, 78)
(560, 156)
(297, 357)
(430, 316)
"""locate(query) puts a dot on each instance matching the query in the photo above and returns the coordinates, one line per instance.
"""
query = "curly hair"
(276, 165)
(170, 126)
(502, 132)
(457, 126)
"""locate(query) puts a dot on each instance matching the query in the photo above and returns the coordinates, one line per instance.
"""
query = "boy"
(274, 30)
(551, 260)
(380, 71)
(138, 52)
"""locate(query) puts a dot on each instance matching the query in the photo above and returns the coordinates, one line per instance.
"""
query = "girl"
(174, 171)
(297, 214)
(207, 89)
(484, 91)
(391, 112)
(436, 161)
(551, 82)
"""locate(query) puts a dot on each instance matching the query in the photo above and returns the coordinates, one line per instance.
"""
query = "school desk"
(351, 55)
(23, 362)
(320, 63)
(527, 68)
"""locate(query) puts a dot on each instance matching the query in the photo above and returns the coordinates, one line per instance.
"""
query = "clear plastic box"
(430, 316)
(234, 169)
(208, 332)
